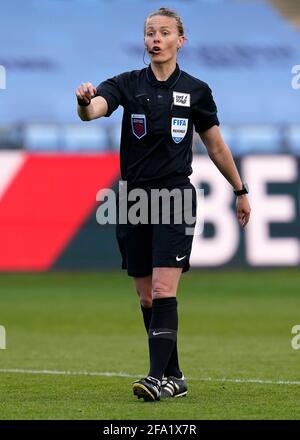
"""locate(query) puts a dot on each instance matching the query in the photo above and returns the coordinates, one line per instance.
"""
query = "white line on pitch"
(111, 374)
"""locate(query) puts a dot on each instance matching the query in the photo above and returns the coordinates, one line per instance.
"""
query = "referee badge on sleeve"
(138, 124)
(179, 128)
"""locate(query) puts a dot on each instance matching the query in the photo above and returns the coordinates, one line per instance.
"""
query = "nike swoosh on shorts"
(179, 258)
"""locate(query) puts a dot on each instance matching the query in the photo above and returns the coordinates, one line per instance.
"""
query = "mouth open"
(156, 50)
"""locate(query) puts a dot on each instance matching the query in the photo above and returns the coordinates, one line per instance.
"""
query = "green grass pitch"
(234, 330)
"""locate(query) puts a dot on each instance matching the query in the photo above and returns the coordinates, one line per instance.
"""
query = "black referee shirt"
(158, 120)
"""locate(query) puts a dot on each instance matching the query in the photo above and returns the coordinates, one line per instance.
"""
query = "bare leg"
(143, 287)
(165, 282)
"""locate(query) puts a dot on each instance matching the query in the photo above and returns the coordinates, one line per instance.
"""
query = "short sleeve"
(205, 111)
(111, 90)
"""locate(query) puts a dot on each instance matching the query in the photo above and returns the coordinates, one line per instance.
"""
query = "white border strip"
(112, 374)
(10, 164)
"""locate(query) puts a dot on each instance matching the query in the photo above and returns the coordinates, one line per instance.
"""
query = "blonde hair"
(166, 12)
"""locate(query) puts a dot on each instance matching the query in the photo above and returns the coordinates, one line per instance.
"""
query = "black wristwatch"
(82, 103)
(240, 192)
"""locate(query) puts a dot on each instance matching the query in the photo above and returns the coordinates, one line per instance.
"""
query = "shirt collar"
(169, 83)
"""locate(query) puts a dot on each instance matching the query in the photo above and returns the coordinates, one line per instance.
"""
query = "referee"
(162, 104)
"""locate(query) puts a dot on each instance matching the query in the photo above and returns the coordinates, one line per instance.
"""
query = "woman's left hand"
(242, 210)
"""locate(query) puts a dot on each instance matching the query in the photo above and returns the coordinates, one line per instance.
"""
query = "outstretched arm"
(221, 155)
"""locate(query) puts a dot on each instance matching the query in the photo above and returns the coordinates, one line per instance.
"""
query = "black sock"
(172, 368)
(162, 334)
(147, 315)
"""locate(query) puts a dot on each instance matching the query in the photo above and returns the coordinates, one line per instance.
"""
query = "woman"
(161, 104)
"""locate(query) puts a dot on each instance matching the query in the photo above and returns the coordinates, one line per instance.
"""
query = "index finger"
(91, 89)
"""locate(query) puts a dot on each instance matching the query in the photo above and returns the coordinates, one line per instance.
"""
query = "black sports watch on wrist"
(82, 103)
(240, 192)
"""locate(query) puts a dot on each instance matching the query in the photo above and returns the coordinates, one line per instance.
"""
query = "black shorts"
(145, 246)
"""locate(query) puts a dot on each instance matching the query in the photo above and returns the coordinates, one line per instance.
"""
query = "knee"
(144, 291)
(161, 290)
(146, 302)
(145, 296)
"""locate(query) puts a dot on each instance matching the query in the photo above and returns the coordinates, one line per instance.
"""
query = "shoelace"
(153, 381)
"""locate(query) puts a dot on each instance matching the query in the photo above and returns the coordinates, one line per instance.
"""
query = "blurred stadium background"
(52, 166)
(245, 50)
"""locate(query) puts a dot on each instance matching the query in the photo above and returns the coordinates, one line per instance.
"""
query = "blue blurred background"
(245, 50)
